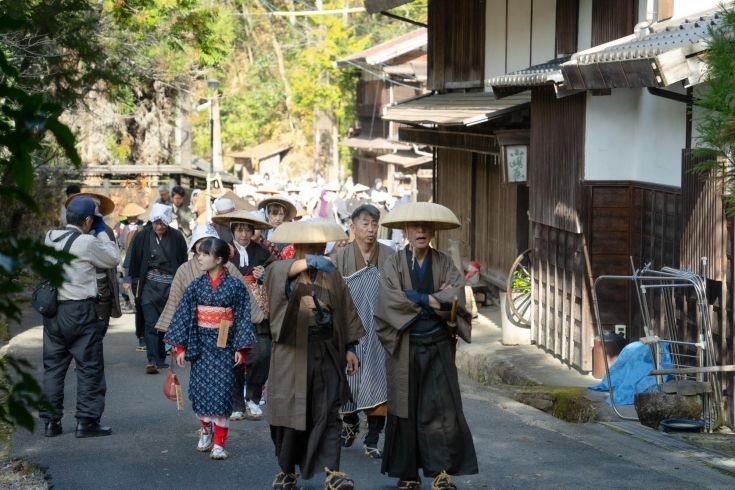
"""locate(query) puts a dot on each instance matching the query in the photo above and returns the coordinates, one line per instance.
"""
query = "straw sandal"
(443, 482)
(337, 481)
(349, 434)
(206, 439)
(218, 452)
(285, 481)
(409, 484)
(373, 451)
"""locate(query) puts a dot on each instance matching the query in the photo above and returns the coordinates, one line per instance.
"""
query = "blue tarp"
(629, 373)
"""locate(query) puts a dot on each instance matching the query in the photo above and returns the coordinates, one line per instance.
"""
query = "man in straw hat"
(156, 254)
(250, 259)
(315, 329)
(108, 290)
(360, 263)
(131, 212)
(419, 313)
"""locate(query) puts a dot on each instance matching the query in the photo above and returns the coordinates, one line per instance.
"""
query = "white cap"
(161, 212)
(223, 205)
(202, 231)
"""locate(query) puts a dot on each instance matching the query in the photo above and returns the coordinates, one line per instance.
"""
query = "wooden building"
(261, 159)
(388, 74)
(604, 99)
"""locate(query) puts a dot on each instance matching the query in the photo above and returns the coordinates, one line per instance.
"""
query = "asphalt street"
(153, 446)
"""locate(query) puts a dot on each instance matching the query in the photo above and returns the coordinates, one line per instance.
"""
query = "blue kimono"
(212, 378)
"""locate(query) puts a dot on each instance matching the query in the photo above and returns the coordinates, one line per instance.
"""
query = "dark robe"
(307, 382)
(140, 251)
(426, 427)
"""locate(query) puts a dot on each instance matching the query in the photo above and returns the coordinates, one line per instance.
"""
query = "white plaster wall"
(494, 39)
(611, 125)
(519, 35)
(684, 8)
(543, 41)
(633, 135)
(661, 137)
(584, 33)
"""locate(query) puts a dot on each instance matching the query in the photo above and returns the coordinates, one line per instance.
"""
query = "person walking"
(251, 259)
(419, 313)
(76, 331)
(211, 330)
(157, 253)
(315, 328)
(360, 263)
(181, 212)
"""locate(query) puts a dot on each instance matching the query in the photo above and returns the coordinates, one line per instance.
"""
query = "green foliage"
(521, 281)
(716, 123)
(19, 392)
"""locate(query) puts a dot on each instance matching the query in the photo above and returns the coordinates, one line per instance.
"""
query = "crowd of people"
(296, 300)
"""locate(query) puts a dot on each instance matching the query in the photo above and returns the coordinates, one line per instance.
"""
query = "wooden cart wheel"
(518, 287)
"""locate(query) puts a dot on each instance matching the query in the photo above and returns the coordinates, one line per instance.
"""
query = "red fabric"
(250, 279)
(211, 316)
(244, 353)
(215, 282)
(205, 425)
(220, 435)
(288, 252)
(179, 350)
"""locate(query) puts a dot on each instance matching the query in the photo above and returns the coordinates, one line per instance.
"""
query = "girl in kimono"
(315, 328)
(211, 302)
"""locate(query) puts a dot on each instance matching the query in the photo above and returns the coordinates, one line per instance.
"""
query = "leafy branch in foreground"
(716, 123)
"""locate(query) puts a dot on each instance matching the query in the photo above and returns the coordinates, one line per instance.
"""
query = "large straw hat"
(308, 232)
(290, 208)
(106, 205)
(332, 187)
(358, 188)
(132, 209)
(266, 189)
(240, 203)
(440, 217)
(241, 216)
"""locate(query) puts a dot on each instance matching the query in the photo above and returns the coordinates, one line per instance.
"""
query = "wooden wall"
(368, 169)
(454, 188)
(499, 218)
(704, 225)
(613, 19)
(556, 159)
(456, 44)
(561, 314)
(567, 26)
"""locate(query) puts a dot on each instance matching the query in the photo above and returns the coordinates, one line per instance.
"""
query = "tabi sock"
(220, 435)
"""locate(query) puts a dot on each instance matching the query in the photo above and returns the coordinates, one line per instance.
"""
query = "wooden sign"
(425, 173)
(515, 163)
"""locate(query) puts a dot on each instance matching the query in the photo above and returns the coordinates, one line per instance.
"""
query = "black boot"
(53, 428)
(91, 428)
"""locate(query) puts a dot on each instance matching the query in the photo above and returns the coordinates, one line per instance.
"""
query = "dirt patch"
(722, 440)
(20, 474)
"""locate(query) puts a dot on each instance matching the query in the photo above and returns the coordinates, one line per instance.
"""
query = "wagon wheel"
(518, 287)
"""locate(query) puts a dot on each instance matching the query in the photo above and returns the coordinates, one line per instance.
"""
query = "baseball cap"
(83, 205)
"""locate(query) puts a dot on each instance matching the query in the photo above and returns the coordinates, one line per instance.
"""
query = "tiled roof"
(533, 75)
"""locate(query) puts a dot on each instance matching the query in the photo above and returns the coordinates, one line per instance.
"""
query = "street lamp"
(212, 83)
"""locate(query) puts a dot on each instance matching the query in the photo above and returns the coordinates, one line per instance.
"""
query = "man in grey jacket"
(76, 331)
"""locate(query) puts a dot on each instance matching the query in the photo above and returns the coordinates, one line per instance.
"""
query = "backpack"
(44, 298)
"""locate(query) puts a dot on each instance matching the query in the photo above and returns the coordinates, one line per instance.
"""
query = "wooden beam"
(478, 143)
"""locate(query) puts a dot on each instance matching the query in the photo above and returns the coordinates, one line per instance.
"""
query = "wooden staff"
(453, 315)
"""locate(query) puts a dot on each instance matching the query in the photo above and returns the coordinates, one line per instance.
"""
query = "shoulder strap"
(61, 237)
(74, 236)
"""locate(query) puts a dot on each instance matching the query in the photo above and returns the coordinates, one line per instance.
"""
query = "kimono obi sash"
(212, 316)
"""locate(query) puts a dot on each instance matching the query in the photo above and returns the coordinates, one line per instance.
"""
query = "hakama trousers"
(318, 446)
(435, 436)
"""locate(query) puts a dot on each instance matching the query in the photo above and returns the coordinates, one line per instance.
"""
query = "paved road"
(153, 445)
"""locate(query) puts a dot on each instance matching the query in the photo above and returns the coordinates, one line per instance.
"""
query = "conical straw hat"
(132, 209)
(290, 208)
(106, 205)
(308, 232)
(442, 218)
(240, 203)
(241, 216)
